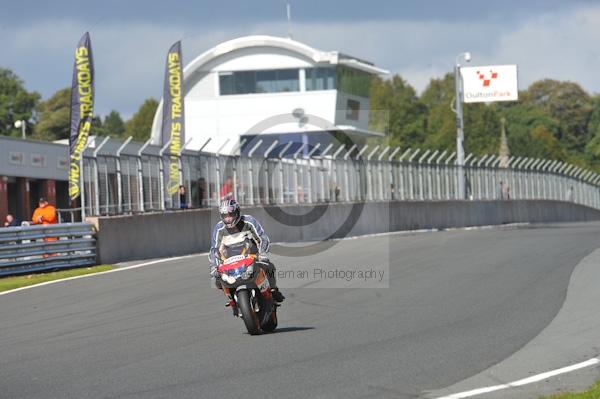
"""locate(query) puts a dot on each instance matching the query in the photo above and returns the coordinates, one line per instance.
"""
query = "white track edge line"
(120, 269)
(524, 381)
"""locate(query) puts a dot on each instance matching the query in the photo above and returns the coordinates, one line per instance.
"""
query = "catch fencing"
(130, 178)
(28, 249)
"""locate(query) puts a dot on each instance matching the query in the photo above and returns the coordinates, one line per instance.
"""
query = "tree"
(481, 121)
(545, 145)
(440, 125)
(140, 125)
(395, 107)
(569, 104)
(98, 129)
(521, 121)
(592, 148)
(54, 117)
(16, 103)
(114, 125)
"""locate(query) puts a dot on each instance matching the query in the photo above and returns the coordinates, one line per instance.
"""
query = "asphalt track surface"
(457, 303)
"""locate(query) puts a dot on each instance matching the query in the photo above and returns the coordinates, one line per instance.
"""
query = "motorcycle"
(245, 284)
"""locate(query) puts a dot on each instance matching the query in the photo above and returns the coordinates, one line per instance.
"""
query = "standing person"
(570, 194)
(227, 189)
(504, 191)
(44, 213)
(183, 204)
(10, 221)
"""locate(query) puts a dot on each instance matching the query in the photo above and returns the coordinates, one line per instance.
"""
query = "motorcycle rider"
(235, 234)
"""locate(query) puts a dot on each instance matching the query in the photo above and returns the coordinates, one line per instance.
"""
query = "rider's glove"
(214, 271)
(263, 259)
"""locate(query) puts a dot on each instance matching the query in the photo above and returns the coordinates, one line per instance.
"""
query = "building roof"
(318, 56)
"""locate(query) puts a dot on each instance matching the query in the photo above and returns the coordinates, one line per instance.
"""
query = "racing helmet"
(229, 210)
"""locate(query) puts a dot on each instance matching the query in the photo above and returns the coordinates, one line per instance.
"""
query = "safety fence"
(28, 249)
(132, 178)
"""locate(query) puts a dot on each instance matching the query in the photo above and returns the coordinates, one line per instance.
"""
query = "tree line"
(49, 120)
(552, 119)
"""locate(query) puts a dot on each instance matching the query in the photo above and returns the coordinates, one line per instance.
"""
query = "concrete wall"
(148, 236)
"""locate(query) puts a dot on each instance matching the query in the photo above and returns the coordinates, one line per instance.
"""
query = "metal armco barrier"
(38, 248)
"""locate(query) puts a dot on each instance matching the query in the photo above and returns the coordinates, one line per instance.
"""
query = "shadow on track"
(291, 329)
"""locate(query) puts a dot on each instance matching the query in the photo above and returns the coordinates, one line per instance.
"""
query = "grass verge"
(592, 393)
(10, 283)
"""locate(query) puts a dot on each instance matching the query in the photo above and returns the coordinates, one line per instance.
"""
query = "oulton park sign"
(489, 83)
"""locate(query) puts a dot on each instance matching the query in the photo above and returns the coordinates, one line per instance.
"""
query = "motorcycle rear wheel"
(248, 314)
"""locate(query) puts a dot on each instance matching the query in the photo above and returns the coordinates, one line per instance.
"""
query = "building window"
(320, 78)
(269, 81)
(352, 110)
(353, 81)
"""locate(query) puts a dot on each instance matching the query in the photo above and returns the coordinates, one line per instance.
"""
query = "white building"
(276, 87)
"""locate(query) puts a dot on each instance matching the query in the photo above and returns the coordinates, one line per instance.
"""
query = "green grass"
(10, 283)
(592, 393)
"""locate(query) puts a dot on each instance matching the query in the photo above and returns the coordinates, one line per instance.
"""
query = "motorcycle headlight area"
(241, 272)
(248, 272)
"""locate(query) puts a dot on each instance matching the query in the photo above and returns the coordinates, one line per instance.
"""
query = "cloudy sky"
(416, 39)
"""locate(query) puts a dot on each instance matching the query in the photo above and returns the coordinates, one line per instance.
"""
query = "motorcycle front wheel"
(271, 325)
(248, 314)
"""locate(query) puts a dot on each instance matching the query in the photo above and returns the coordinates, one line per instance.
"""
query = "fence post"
(141, 174)
(235, 158)
(364, 181)
(297, 179)
(520, 174)
(382, 192)
(420, 172)
(96, 176)
(250, 170)
(553, 179)
(310, 172)
(528, 173)
(325, 193)
(401, 174)
(336, 165)
(448, 173)
(119, 177)
(392, 177)
(161, 175)
(369, 173)
(82, 179)
(489, 177)
(467, 166)
(548, 179)
(280, 157)
(429, 170)
(347, 172)
(267, 177)
(410, 174)
(438, 176)
(534, 177)
(480, 176)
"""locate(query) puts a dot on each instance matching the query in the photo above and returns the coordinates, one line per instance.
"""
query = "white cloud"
(129, 57)
(558, 46)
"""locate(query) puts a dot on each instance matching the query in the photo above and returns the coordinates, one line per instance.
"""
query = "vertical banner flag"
(173, 123)
(82, 110)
